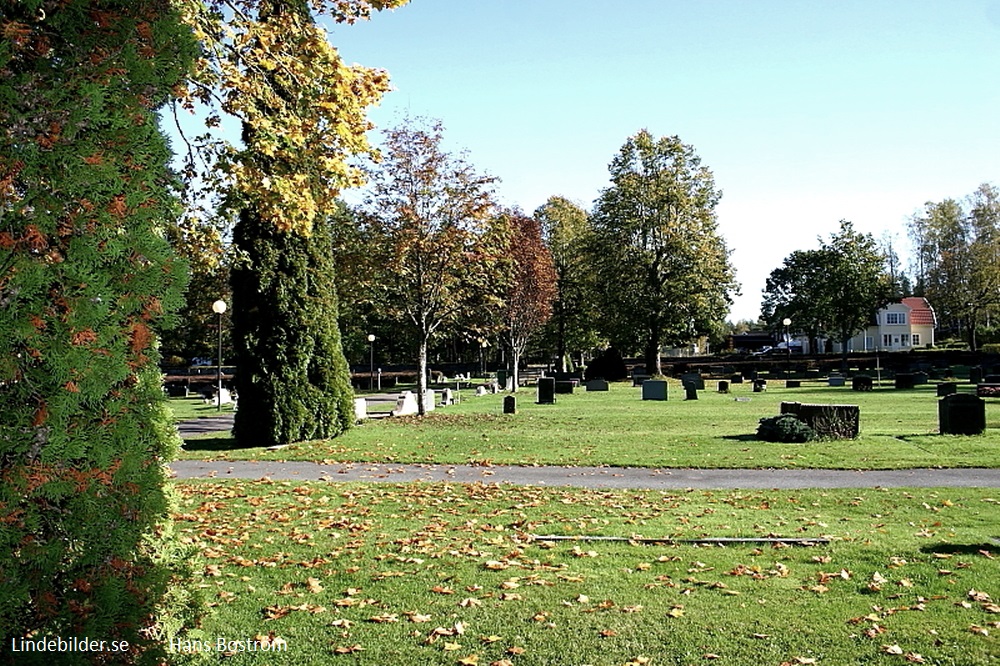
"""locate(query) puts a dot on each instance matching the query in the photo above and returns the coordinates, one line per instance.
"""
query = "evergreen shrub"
(784, 428)
(86, 278)
(608, 365)
(293, 380)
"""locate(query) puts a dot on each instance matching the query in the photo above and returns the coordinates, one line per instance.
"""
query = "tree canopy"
(662, 270)
(835, 290)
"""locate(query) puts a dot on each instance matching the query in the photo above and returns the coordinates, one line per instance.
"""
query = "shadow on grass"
(741, 438)
(962, 548)
(214, 444)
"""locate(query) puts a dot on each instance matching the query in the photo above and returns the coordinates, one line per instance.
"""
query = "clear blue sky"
(807, 111)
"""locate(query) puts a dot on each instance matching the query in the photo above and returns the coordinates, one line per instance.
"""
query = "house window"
(895, 317)
(886, 340)
(904, 340)
(916, 339)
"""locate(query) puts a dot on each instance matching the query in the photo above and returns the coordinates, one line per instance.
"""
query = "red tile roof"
(921, 311)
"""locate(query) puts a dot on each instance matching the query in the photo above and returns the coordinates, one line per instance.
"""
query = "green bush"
(784, 428)
(990, 348)
(86, 280)
(293, 380)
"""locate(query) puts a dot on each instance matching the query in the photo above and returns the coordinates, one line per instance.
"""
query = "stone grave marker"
(654, 389)
(597, 385)
(961, 414)
(406, 404)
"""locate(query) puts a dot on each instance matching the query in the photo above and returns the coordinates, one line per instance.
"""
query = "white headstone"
(429, 398)
(447, 398)
(481, 390)
(360, 409)
(406, 404)
(224, 397)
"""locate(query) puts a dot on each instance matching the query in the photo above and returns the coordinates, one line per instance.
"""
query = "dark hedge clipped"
(784, 428)
(292, 378)
(86, 277)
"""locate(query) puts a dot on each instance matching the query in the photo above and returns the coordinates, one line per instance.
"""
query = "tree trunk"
(422, 376)
(515, 356)
(561, 341)
(652, 352)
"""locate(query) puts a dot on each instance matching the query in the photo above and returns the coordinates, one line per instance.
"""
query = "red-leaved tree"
(532, 287)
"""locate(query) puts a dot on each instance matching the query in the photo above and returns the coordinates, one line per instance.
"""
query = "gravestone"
(481, 391)
(947, 388)
(736, 379)
(835, 380)
(406, 404)
(793, 383)
(360, 409)
(429, 400)
(861, 383)
(975, 374)
(988, 379)
(812, 373)
(546, 390)
(564, 386)
(723, 386)
(597, 385)
(919, 378)
(639, 375)
(759, 385)
(447, 398)
(693, 379)
(654, 389)
(690, 392)
(510, 405)
(961, 414)
(904, 380)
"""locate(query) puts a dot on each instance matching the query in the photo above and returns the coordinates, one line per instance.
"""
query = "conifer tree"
(86, 276)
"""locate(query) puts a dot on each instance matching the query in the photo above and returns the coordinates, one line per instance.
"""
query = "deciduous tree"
(663, 271)
(531, 289)
(565, 229)
(442, 245)
(836, 289)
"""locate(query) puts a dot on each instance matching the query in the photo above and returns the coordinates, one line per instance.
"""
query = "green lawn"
(448, 574)
(185, 409)
(618, 429)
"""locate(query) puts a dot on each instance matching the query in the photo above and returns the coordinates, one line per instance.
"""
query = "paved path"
(591, 477)
(586, 477)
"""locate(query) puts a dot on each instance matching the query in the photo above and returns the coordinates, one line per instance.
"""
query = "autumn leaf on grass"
(313, 585)
(385, 618)
(914, 658)
(418, 617)
(441, 589)
(638, 661)
(892, 649)
(608, 633)
(676, 611)
(490, 639)
(982, 631)
(471, 660)
(452, 647)
(347, 649)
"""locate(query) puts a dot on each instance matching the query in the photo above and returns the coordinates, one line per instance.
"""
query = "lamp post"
(219, 307)
(371, 365)
(788, 347)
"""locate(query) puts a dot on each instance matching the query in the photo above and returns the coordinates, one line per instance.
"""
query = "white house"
(908, 324)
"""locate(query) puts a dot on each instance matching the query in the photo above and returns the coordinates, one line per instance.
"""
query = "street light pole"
(788, 348)
(219, 307)
(371, 364)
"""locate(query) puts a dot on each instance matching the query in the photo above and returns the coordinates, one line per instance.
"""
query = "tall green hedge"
(85, 279)
(292, 378)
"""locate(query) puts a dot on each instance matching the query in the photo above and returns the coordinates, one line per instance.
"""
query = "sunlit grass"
(617, 428)
(437, 574)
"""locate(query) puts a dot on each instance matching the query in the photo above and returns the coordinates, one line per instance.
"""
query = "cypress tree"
(292, 379)
(86, 277)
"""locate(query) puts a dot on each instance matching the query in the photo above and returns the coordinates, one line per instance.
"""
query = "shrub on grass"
(609, 365)
(784, 428)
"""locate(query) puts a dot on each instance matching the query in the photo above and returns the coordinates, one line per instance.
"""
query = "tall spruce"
(86, 277)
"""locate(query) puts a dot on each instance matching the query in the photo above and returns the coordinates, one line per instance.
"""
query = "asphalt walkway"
(585, 477)
(590, 477)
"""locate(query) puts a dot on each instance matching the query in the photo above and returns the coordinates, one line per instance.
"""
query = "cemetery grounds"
(438, 573)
